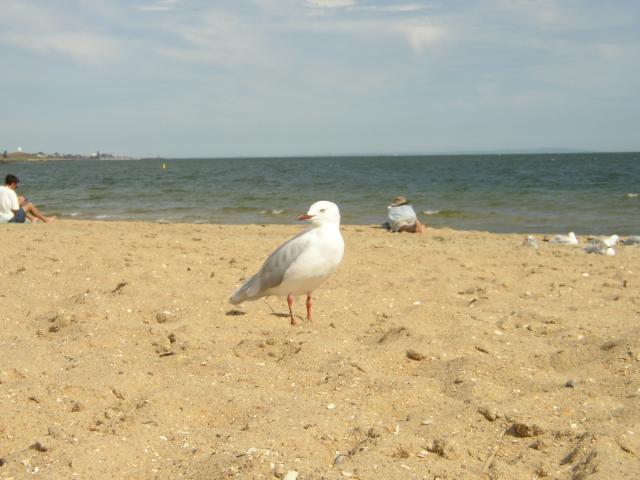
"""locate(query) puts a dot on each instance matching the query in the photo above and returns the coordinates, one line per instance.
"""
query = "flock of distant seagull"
(601, 245)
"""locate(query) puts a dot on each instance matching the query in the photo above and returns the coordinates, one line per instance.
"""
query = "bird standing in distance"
(530, 241)
(632, 240)
(569, 239)
(609, 241)
(302, 264)
(599, 246)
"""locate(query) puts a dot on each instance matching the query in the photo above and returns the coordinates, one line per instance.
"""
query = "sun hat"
(396, 202)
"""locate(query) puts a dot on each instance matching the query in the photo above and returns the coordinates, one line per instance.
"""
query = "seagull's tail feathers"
(248, 291)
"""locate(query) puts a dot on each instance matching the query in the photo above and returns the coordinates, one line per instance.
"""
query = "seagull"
(610, 241)
(600, 247)
(632, 240)
(566, 239)
(530, 241)
(302, 264)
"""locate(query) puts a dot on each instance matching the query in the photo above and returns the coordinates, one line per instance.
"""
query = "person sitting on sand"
(14, 209)
(402, 217)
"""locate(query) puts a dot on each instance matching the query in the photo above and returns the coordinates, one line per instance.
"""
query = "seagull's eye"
(322, 210)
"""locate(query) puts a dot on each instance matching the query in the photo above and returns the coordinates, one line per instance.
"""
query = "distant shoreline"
(17, 157)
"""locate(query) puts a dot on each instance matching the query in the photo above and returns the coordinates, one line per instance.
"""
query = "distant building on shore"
(21, 156)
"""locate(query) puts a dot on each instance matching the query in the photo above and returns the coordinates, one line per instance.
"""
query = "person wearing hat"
(402, 217)
(14, 209)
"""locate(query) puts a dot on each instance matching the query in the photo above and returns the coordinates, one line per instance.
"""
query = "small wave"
(236, 209)
(74, 214)
(449, 213)
(275, 211)
(632, 195)
(105, 216)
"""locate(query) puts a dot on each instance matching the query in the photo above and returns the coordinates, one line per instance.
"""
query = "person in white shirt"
(14, 209)
(402, 217)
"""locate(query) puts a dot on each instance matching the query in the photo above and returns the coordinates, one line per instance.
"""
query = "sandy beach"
(451, 355)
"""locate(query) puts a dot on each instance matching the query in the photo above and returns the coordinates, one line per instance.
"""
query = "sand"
(451, 355)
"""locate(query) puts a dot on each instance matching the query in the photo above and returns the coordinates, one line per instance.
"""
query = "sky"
(218, 78)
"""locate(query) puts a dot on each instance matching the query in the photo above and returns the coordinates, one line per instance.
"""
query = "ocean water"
(596, 193)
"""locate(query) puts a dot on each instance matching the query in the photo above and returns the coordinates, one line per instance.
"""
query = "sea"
(588, 193)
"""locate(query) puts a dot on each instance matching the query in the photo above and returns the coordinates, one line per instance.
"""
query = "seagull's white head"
(322, 212)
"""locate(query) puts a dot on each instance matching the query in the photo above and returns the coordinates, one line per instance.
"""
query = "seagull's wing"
(272, 271)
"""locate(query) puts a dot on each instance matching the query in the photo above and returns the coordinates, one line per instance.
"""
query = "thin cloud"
(80, 46)
(421, 37)
(219, 39)
(559, 16)
(331, 3)
(615, 52)
(419, 31)
(161, 6)
(154, 8)
(406, 8)
(45, 32)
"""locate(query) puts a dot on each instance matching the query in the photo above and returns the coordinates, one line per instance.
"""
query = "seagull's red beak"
(306, 216)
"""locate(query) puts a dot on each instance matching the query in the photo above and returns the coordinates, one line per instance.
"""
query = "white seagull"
(302, 264)
(610, 241)
(632, 240)
(600, 247)
(566, 239)
(530, 241)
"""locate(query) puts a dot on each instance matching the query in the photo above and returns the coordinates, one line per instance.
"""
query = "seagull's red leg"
(290, 303)
(309, 306)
